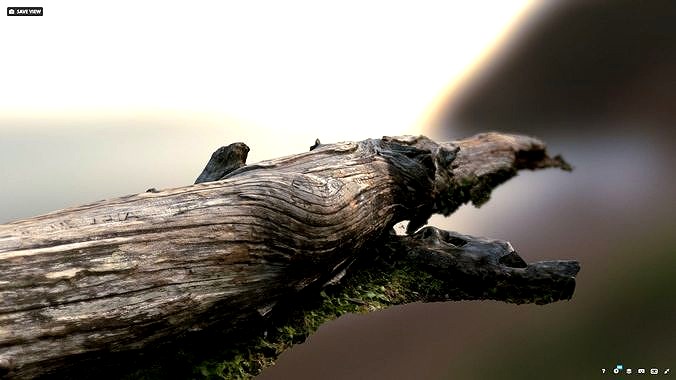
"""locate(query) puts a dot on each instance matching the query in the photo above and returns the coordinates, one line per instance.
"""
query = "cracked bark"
(246, 241)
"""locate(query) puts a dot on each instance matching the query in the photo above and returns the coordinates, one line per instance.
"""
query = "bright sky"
(351, 69)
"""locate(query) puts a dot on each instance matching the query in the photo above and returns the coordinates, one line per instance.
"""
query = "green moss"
(371, 284)
(365, 290)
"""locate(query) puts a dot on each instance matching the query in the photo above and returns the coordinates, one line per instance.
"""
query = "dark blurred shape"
(607, 63)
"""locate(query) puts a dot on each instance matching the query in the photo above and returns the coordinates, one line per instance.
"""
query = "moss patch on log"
(387, 282)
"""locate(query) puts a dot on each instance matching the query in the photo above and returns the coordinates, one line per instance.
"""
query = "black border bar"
(15, 11)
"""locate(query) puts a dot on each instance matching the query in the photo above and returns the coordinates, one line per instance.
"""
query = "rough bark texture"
(120, 274)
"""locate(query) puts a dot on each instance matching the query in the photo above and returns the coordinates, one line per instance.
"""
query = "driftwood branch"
(235, 253)
(481, 268)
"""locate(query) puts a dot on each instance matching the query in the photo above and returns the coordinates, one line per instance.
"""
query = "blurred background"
(104, 100)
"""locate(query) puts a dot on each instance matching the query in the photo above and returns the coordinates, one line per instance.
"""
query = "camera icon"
(10, 11)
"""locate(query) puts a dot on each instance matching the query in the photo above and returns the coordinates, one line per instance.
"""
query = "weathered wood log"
(118, 274)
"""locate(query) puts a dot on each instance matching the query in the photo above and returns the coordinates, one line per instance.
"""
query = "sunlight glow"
(342, 71)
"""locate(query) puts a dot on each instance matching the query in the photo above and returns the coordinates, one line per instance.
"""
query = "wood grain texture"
(118, 274)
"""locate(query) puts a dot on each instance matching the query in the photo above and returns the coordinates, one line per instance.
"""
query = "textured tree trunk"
(119, 274)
